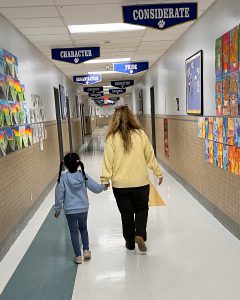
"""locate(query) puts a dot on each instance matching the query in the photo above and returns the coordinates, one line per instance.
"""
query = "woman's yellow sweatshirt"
(129, 169)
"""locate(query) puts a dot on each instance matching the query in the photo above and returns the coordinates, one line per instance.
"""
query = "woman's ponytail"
(60, 170)
(82, 169)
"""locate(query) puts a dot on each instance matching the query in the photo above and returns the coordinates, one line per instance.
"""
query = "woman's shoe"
(77, 259)
(141, 244)
(87, 254)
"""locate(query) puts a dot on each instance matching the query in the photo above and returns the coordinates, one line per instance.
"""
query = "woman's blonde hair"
(123, 122)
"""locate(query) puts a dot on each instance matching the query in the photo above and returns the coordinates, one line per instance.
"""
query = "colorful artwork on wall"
(231, 159)
(210, 124)
(207, 150)
(215, 129)
(211, 152)
(220, 129)
(215, 154)
(234, 49)
(220, 155)
(201, 128)
(15, 130)
(225, 130)
(225, 157)
(230, 131)
(166, 146)
(219, 96)
(194, 80)
(234, 94)
(237, 161)
(226, 52)
(226, 95)
(218, 57)
(237, 132)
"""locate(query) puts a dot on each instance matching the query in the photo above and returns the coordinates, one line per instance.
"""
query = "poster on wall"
(234, 93)
(234, 49)
(194, 79)
(166, 146)
(140, 99)
(218, 96)
(63, 102)
(226, 53)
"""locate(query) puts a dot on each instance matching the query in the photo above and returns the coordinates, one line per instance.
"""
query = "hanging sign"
(122, 83)
(87, 79)
(130, 68)
(95, 95)
(94, 89)
(114, 98)
(117, 91)
(160, 16)
(75, 55)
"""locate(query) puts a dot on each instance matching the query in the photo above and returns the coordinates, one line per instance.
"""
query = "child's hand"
(57, 214)
(106, 186)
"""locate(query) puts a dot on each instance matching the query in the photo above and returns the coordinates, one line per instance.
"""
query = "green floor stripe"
(46, 272)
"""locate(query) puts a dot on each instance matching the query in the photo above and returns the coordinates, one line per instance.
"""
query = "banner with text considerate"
(75, 55)
(88, 79)
(160, 16)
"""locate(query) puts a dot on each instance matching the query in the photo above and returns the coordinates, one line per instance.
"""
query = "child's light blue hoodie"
(71, 192)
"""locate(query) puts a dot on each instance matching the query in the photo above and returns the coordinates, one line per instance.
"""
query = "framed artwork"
(63, 102)
(140, 99)
(194, 86)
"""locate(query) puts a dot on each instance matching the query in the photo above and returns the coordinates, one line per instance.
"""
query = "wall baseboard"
(9, 240)
(224, 219)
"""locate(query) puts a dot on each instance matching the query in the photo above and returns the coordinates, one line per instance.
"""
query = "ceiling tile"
(37, 22)
(44, 30)
(49, 38)
(21, 3)
(29, 12)
(91, 14)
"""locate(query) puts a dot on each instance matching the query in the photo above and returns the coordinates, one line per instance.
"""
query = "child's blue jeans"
(76, 223)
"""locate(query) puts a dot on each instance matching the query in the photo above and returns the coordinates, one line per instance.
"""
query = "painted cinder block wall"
(26, 176)
(216, 189)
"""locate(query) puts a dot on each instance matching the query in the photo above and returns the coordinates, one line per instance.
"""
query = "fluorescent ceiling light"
(110, 27)
(103, 72)
(107, 60)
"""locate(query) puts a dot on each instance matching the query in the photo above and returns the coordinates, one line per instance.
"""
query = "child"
(71, 192)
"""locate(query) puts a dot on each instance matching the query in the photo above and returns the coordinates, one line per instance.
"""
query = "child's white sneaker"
(77, 259)
(87, 254)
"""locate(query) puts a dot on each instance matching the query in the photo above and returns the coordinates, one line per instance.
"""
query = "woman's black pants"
(133, 206)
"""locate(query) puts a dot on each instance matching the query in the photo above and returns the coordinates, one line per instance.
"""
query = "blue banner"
(130, 68)
(114, 98)
(87, 79)
(122, 83)
(117, 91)
(160, 16)
(75, 55)
(95, 95)
(94, 89)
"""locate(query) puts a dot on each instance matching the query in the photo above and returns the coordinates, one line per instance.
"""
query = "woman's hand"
(57, 214)
(106, 186)
(160, 180)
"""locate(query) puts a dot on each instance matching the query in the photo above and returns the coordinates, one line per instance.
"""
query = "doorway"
(59, 123)
(152, 99)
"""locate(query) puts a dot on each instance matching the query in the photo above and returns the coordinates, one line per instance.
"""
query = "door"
(153, 118)
(59, 123)
(69, 125)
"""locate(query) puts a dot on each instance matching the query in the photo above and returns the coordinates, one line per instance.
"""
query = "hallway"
(191, 255)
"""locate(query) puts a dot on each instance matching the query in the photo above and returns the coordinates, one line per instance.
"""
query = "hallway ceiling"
(45, 23)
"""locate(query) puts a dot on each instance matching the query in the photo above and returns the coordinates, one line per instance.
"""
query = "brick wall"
(26, 172)
(216, 189)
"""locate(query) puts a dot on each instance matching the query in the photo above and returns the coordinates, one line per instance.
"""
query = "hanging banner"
(160, 16)
(87, 79)
(114, 99)
(75, 55)
(122, 83)
(95, 95)
(130, 68)
(94, 89)
(117, 91)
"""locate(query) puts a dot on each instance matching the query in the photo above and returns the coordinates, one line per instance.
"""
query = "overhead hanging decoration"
(94, 89)
(130, 68)
(122, 83)
(117, 91)
(160, 16)
(88, 79)
(75, 55)
(95, 95)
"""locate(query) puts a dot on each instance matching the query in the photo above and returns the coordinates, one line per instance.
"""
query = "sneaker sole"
(141, 246)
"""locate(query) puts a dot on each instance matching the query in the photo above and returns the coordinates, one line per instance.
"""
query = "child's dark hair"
(72, 162)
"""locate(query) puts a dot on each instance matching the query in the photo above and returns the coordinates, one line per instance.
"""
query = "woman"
(127, 156)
